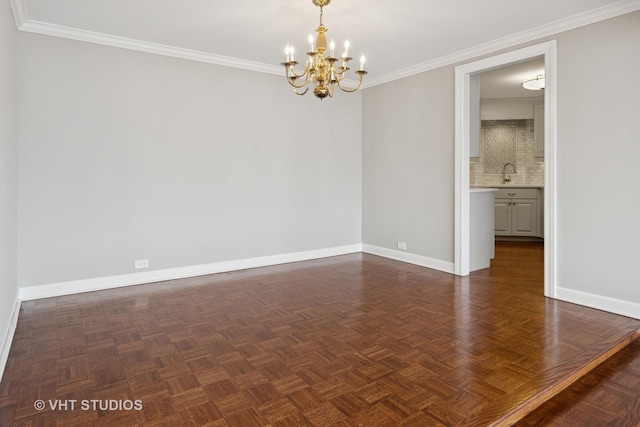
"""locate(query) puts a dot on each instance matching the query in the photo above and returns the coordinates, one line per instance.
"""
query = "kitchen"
(506, 170)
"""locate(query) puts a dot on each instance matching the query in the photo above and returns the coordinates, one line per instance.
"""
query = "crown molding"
(143, 46)
(616, 9)
(611, 11)
(25, 24)
(148, 47)
(19, 12)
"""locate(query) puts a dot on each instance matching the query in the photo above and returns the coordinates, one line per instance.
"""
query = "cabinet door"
(524, 217)
(474, 115)
(538, 130)
(502, 217)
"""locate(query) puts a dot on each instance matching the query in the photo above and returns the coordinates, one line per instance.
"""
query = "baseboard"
(599, 302)
(423, 261)
(519, 239)
(100, 283)
(612, 305)
(5, 345)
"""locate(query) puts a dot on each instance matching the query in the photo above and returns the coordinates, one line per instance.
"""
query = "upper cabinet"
(507, 108)
(538, 130)
(474, 116)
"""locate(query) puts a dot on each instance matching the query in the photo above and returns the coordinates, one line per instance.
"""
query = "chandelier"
(320, 71)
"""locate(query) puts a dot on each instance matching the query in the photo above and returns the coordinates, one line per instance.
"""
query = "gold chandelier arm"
(290, 69)
(292, 80)
(300, 93)
(361, 74)
(308, 65)
(337, 76)
(335, 73)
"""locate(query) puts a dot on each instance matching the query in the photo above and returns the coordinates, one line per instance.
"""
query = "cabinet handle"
(512, 194)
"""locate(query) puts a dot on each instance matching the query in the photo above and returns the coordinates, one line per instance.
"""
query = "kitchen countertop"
(506, 186)
(482, 189)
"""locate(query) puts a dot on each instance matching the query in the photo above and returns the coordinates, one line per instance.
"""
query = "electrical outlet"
(402, 246)
(141, 263)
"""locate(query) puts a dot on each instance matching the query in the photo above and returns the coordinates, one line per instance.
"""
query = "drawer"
(516, 193)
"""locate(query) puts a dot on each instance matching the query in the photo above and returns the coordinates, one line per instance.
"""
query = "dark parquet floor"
(356, 340)
(607, 396)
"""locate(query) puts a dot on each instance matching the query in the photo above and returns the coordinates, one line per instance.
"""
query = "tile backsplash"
(506, 141)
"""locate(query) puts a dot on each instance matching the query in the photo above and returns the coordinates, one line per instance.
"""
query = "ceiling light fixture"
(534, 84)
(320, 71)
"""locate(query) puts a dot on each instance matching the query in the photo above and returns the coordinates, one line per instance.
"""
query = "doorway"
(463, 119)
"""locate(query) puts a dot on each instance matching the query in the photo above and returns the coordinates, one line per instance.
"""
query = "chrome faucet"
(504, 172)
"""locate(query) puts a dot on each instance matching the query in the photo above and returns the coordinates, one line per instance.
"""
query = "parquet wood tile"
(608, 396)
(355, 340)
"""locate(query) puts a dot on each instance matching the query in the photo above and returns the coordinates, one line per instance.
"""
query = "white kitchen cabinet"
(541, 212)
(538, 130)
(524, 214)
(516, 212)
(474, 116)
(481, 236)
(502, 217)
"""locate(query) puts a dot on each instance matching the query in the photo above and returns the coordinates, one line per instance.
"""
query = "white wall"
(408, 164)
(125, 156)
(408, 146)
(598, 152)
(8, 283)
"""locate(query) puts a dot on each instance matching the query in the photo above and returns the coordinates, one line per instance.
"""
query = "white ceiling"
(396, 36)
(506, 82)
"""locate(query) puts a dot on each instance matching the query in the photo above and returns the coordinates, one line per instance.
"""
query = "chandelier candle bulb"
(362, 59)
(288, 51)
(332, 48)
(310, 43)
(346, 49)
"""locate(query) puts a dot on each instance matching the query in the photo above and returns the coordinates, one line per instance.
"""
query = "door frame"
(462, 137)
